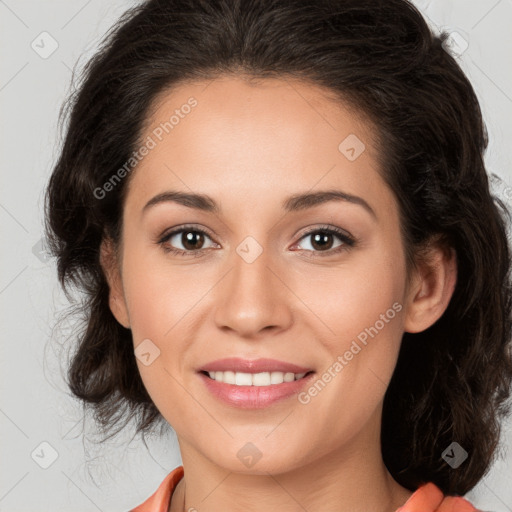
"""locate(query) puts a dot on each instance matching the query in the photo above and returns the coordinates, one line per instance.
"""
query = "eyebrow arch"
(197, 201)
(294, 203)
(302, 201)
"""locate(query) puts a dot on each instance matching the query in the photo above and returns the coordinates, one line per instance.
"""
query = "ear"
(432, 288)
(110, 266)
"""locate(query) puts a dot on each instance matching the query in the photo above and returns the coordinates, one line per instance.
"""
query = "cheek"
(360, 307)
(158, 303)
(357, 296)
(158, 295)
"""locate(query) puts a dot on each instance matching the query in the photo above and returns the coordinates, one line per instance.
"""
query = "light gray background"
(35, 405)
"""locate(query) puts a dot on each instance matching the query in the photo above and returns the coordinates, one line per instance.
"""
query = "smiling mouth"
(254, 379)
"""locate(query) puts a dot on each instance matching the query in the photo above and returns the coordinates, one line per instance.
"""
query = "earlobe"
(112, 273)
(432, 290)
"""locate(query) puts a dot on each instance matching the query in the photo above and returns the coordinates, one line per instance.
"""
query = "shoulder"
(160, 499)
(429, 498)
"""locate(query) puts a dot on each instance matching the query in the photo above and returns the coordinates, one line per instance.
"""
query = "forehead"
(287, 108)
(260, 138)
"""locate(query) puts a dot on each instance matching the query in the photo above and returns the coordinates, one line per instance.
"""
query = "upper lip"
(236, 364)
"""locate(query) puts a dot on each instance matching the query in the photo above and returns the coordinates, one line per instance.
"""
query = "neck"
(351, 479)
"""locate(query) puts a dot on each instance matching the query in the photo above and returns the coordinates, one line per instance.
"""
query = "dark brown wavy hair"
(452, 381)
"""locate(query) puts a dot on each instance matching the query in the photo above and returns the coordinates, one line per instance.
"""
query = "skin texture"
(249, 146)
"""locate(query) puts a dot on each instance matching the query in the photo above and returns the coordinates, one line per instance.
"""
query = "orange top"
(427, 498)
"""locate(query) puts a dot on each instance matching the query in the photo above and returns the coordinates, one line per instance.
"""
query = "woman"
(280, 216)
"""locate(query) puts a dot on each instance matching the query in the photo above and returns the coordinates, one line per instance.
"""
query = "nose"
(253, 298)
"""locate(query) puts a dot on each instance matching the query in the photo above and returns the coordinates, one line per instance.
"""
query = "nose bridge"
(253, 298)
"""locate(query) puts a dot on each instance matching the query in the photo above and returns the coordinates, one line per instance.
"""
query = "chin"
(254, 459)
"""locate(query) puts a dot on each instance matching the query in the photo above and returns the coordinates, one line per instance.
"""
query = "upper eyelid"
(331, 229)
(173, 231)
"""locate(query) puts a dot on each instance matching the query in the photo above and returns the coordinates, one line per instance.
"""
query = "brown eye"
(192, 240)
(323, 240)
(186, 240)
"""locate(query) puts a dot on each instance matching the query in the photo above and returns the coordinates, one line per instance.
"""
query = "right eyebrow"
(197, 201)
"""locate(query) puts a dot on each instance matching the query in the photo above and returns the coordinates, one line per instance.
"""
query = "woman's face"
(267, 279)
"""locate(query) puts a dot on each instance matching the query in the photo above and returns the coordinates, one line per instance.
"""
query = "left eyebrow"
(294, 203)
(309, 200)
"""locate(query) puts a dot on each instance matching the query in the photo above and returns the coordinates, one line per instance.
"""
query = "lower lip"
(254, 397)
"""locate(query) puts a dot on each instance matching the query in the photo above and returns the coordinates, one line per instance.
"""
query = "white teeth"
(228, 378)
(261, 379)
(255, 379)
(243, 379)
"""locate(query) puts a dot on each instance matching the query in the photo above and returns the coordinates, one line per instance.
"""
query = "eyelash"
(348, 242)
